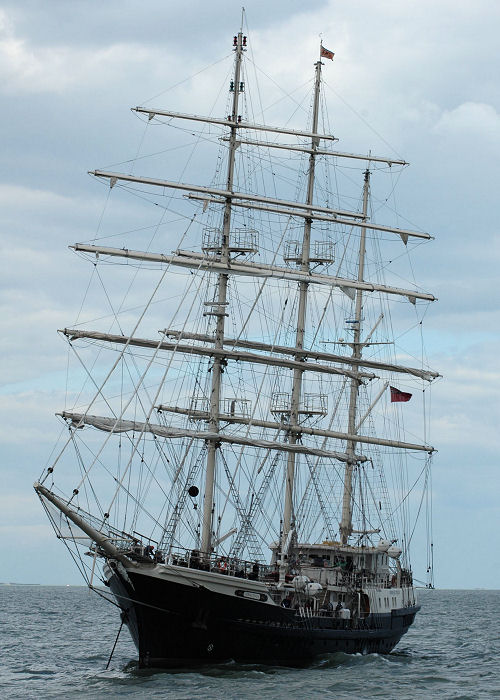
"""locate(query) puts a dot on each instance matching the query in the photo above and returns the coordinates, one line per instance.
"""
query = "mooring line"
(124, 617)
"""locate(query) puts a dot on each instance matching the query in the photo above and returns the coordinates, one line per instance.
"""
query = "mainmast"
(288, 524)
(219, 311)
(346, 522)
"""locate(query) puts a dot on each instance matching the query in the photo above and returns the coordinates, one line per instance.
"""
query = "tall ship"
(234, 472)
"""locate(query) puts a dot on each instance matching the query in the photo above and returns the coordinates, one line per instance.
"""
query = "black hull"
(175, 625)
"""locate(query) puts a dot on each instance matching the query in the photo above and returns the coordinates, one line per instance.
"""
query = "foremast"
(288, 524)
(219, 310)
(346, 521)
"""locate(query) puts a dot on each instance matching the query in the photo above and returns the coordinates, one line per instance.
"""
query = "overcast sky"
(420, 78)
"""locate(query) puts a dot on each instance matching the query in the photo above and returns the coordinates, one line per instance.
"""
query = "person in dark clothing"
(254, 575)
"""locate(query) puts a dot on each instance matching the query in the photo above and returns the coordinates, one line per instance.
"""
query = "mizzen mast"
(346, 522)
(219, 311)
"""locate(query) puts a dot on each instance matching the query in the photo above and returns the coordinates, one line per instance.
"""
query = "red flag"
(326, 53)
(397, 395)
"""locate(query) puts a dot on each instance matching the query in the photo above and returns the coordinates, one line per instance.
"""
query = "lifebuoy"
(222, 566)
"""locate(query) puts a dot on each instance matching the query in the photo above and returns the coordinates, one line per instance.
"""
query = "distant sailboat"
(260, 416)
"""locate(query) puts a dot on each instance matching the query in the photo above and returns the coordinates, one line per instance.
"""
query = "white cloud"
(470, 120)
(27, 418)
(31, 68)
(467, 399)
(25, 197)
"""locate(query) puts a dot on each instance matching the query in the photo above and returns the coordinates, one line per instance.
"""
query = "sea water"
(56, 642)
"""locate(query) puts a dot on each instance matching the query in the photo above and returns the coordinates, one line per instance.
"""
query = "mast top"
(239, 41)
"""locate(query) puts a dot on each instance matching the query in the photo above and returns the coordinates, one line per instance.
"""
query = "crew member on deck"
(222, 565)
